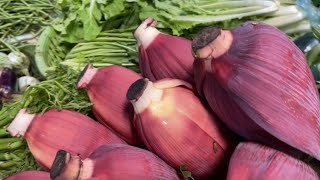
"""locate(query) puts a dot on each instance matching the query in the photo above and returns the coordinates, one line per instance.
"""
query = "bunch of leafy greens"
(179, 15)
(185, 17)
(58, 91)
(85, 19)
(111, 47)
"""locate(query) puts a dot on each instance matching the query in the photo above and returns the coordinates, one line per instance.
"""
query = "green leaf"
(183, 167)
(185, 173)
(59, 26)
(90, 17)
(114, 8)
(102, 1)
(75, 33)
(71, 17)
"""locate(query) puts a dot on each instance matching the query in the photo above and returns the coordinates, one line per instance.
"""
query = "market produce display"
(152, 89)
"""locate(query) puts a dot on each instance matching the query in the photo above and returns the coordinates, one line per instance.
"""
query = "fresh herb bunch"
(58, 91)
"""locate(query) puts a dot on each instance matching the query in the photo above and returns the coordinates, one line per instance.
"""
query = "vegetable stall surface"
(53, 130)
(106, 88)
(162, 55)
(268, 78)
(112, 161)
(255, 161)
(174, 124)
(30, 175)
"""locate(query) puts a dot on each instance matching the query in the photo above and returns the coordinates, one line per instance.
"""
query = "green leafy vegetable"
(85, 19)
(110, 47)
(182, 16)
(58, 91)
(185, 173)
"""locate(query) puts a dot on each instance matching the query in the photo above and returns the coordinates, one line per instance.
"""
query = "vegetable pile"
(141, 89)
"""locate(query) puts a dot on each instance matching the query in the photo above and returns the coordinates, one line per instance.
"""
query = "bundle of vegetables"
(14, 153)
(57, 92)
(110, 47)
(182, 15)
(22, 20)
(84, 20)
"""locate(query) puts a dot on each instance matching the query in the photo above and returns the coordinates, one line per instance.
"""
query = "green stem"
(5, 122)
(7, 164)
(108, 34)
(63, 88)
(11, 146)
(9, 140)
(3, 132)
(15, 156)
(97, 52)
(314, 55)
(115, 39)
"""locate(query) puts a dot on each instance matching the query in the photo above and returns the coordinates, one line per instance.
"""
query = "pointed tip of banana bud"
(205, 37)
(20, 123)
(85, 76)
(58, 163)
(146, 32)
(136, 89)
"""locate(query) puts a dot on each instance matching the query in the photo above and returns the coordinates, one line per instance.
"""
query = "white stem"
(87, 77)
(20, 123)
(28, 36)
(86, 171)
(281, 21)
(268, 7)
(146, 32)
(150, 94)
(285, 10)
(303, 26)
